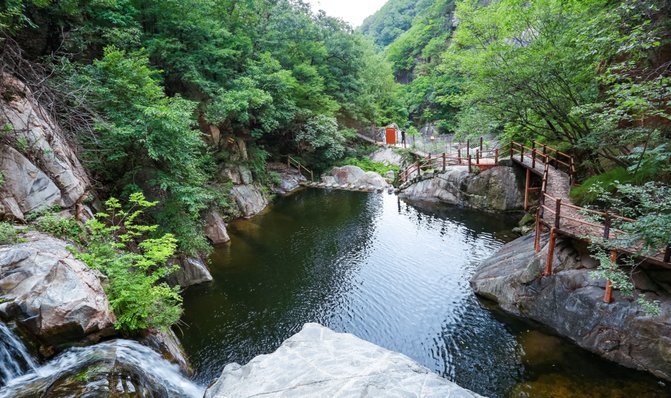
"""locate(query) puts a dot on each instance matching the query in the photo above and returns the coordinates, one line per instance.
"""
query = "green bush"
(586, 193)
(135, 263)
(368, 165)
(59, 226)
(7, 234)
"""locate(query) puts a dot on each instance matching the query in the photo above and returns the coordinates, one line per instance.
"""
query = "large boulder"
(571, 302)
(496, 189)
(249, 199)
(192, 271)
(39, 165)
(215, 228)
(353, 175)
(168, 345)
(51, 295)
(289, 181)
(318, 362)
(387, 156)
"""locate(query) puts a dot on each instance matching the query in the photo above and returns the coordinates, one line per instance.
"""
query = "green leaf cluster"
(135, 260)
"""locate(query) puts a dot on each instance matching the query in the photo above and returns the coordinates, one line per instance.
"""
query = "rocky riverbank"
(571, 302)
(500, 188)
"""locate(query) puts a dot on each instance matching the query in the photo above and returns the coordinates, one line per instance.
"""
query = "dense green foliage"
(366, 164)
(8, 233)
(392, 20)
(123, 248)
(145, 83)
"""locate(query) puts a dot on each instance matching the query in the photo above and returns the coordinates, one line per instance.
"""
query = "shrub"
(368, 165)
(7, 234)
(590, 190)
(120, 247)
(59, 226)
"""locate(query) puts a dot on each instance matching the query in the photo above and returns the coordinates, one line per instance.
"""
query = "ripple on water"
(373, 266)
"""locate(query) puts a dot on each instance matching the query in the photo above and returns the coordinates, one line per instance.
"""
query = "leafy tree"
(120, 246)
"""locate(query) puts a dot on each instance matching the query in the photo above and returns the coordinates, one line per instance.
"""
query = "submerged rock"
(39, 165)
(52, 295)
(496, 189)
(318, 362)
(571, 302)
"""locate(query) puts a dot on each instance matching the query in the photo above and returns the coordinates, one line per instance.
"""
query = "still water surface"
(392, 274)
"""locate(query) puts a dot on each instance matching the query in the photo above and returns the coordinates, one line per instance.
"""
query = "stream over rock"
(318, 362)
(116, 369)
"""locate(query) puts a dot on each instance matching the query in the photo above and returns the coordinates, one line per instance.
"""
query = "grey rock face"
(318, 362)
(386, 156)
(353, 175)
(290, 179)
(193, 271)
(496, 189)
(215, 228)
(40, 167)
(57, 298)
(168, 345)
(571, 302)
(249, 198)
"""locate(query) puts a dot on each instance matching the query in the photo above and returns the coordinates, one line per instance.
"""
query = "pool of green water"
(392, 274)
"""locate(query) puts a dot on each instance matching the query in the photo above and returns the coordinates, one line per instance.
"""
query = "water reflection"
(367, 264)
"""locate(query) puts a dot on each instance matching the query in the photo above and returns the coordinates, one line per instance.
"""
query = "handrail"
(297, 165)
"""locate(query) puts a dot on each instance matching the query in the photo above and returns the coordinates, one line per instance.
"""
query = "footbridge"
(554, 212)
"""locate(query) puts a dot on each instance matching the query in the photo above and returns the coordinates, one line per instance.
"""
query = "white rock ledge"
(318, 362)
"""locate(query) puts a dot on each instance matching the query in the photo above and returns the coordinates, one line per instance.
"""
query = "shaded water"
(390, 274)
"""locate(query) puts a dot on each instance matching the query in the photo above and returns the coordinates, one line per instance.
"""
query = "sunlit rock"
(318, 362)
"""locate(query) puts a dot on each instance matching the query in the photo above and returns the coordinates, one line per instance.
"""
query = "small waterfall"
(143, 373)
(14, 357)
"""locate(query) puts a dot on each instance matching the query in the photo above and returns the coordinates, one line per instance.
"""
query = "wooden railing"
(442, 160)
(545, 155)
(291, 162)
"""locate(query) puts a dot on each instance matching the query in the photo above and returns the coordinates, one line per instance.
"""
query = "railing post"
(477, 156)
(512, 152)
(526, 190)
(608, 293)
(419, 170)
(607, 222)
(480, 143)
(557, 212)
(444, 162)
(533, 158)
(496, 156)
(459, 156)
(522, 153)
(468, 148)
(537, 238)
(551, 252)
(469, 163)
(667, 254)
